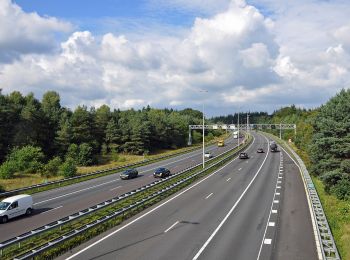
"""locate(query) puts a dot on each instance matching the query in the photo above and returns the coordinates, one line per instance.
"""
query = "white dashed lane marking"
(207, 197)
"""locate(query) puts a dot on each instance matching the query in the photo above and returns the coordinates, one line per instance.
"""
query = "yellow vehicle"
(221, 143)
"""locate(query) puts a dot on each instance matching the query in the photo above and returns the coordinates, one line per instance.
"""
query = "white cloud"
(239, 55)
(22, 33)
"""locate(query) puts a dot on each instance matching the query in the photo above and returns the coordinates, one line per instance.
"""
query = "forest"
(47, 138)
(41, 136)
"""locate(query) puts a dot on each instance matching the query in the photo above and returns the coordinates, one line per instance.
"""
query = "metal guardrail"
(95, 208)
(328, 247)
(37, 186)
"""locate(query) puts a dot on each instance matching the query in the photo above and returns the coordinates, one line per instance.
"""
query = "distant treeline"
(44, 130)
(322, 133)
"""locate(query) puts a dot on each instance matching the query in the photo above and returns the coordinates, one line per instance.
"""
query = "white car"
(15, 206)
(208, 155)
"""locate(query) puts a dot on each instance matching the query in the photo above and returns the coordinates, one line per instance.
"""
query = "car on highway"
(243, 155)
(15, 206)
(208, 155)
(129, 174)
(161, 173)
(260, 150)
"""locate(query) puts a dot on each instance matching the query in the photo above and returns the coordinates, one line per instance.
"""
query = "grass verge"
(338, 216)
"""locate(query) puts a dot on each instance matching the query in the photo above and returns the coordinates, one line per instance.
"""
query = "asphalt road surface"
(52, 205)
(248, 209)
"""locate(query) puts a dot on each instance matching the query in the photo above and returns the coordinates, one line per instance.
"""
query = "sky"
(228, 55)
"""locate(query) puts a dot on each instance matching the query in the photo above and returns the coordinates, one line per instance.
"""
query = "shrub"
(342, 189)
(7, 170)
(68, 168)
(52, 167)
(330, 179)
(27, 159)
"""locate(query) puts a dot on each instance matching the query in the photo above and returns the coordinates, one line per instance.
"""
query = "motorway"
(55, 204)
(248, 209)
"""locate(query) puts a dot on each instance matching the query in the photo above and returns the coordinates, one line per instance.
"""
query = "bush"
(7, 170)
(330, 179)
(1, 189)
(68, 168)
(27, 159)
(342, 189)
(52, 167)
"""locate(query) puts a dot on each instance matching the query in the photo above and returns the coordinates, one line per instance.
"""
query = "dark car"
(243, 156)
(129, 174)
(161, 173)
(260, 150)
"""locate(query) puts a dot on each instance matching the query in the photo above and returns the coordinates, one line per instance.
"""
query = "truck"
(221, 143)
(235, 134)
(273, 146)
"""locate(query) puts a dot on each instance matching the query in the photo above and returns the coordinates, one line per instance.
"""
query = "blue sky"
(97, 15)
(252, 54)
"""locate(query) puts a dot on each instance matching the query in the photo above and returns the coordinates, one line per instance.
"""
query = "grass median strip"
(148, 197)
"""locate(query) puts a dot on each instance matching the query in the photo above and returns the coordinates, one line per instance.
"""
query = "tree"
(52, 111)
(113, 135)
(85, 157)
(73, 152)
(331, 142)
(101, 119)
(81, 123)
(28, 159)
(68, 169)
(64, 134)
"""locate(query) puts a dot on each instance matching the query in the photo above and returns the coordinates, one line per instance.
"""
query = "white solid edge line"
(268, 220)
(77, 191)
(231, 210)
(154, 209)
(173, 225)
(317, 241)
(207, 197)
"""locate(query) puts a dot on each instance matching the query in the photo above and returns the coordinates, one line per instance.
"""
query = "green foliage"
(73, 152)
(342, 189)
(85, 157)
(28, 159)
(7, 170)
(26, 121)
(68, 168)
(52, 167)
(330, 179)
(82, 154)
(330, 149)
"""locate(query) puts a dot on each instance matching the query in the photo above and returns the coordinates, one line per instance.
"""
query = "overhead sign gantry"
(246, 127)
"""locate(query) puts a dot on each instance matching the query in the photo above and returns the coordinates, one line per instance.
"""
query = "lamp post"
(203, 91)
(238, 137)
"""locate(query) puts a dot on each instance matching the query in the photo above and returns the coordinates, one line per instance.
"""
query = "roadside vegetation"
(323, 142)
(43, 141)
